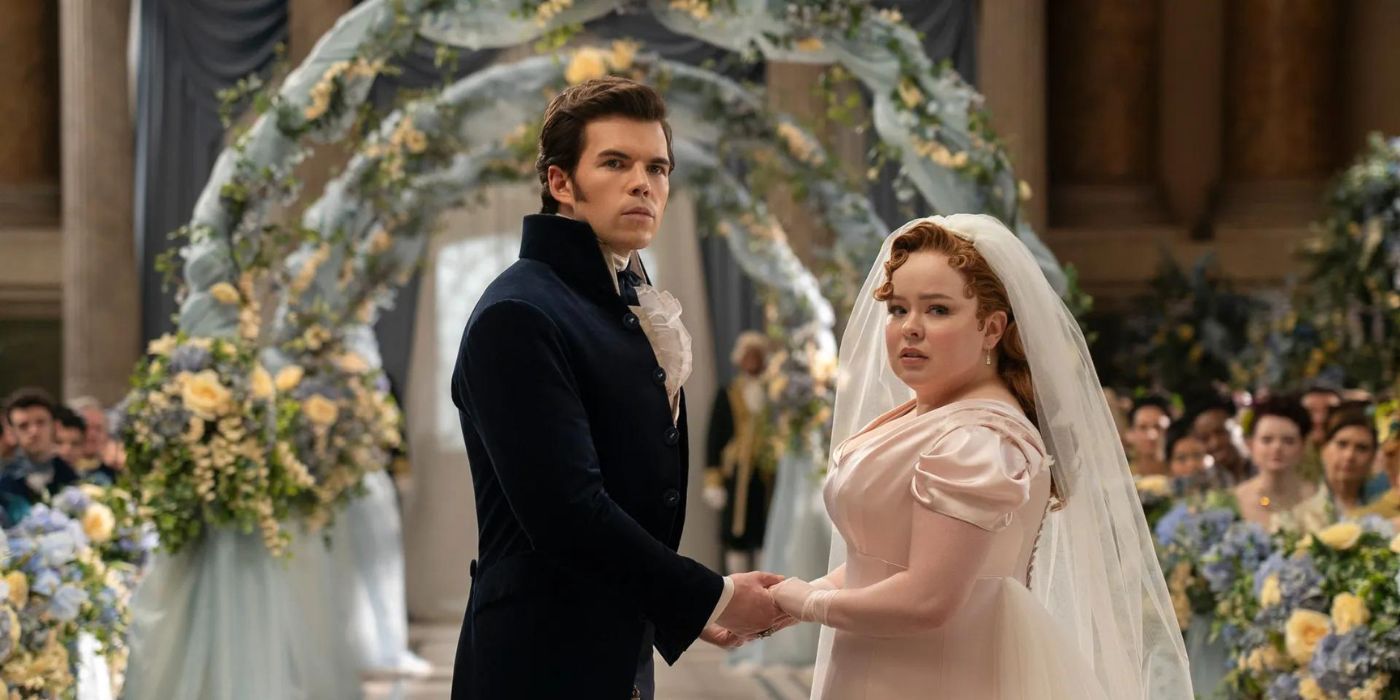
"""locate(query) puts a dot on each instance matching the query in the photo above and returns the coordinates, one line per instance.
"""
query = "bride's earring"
(989, 358)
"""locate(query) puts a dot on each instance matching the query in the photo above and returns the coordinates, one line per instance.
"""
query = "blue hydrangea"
(67, 601)
(1171, 522)
(1343, 661)
(46, 582)
(189, 358)
(1242, 549)
(1284, 687)
(1300, 583)
(1377, 524)
(72, 501)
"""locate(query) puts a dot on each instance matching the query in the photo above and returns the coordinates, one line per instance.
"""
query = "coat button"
(631, 321)
(659, 376)
(671, 498)
(672, 435)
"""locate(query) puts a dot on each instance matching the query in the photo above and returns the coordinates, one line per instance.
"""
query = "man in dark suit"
(36, 471)
(568, 388)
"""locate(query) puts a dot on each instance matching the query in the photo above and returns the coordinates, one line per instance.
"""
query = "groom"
(568, 389)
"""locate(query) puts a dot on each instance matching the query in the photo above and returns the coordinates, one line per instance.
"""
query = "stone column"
(100, 307)
(791, 91)
(1103, 75)
(29, 156)
(1011, 75)
(1282, 110)
(309, 20)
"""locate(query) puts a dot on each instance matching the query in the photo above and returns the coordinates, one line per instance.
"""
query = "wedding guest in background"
(1276, 438)
(1215, 426)
(1349, 444)
(1147, 426)
(37, 471)
(1318, 401)
(69, 435)
(95, 461)
(1192, 470)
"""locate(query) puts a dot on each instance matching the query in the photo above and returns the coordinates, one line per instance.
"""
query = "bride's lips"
(910, 356)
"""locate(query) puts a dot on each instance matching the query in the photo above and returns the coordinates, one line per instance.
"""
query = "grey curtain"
(188, 50)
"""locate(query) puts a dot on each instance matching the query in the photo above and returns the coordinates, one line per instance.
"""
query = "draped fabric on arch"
(188, 50)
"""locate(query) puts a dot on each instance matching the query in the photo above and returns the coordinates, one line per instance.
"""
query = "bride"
(991, 542)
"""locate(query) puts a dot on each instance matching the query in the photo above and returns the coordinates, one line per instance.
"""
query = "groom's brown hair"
(568, 115)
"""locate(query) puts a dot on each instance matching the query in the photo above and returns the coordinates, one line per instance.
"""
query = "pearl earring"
(989, 358)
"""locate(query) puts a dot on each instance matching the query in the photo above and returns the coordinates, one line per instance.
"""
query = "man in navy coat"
(568, 388)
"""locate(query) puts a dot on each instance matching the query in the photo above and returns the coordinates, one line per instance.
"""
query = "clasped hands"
(762, 604)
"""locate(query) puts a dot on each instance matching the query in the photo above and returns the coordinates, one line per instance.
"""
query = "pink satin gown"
(981, 462)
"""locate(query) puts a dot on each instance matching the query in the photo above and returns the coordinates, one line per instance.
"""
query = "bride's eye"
(896, 310)
(938, 310)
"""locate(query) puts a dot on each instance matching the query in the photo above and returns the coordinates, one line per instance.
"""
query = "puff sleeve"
(977, 474)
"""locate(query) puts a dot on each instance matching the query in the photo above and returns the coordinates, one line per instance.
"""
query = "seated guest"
(37, 471)
(1319, 401)
(1192, 471)
(69, 430)
(99, 463)
(1214, 424)
(9, 443)
(1386, 503)
(1276, 438)
(1147, 425)
(1349, 443)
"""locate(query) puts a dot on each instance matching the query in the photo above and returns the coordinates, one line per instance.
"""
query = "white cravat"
(660, 315)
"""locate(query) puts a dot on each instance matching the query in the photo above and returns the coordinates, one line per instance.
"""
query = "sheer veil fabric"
(1095, 569)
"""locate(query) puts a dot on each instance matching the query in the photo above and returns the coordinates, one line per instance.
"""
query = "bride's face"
(932, 336)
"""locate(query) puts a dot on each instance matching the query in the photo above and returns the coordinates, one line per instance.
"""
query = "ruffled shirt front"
(660, 314)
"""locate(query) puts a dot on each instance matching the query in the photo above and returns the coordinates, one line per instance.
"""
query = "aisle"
(700, 675)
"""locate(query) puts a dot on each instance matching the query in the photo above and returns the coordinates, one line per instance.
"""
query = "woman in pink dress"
(991, 544)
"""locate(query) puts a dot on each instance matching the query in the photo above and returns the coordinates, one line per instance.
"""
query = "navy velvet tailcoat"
(580, 477)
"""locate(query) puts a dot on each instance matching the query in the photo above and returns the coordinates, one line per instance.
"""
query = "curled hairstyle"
(568, 114)
(982, 285)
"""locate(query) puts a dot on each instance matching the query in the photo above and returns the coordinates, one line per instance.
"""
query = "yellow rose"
(224, 292)
(1302, 633)
(162, 345)
(203, 393)
(1156, 485)
(1308, 689)
(1395, 543)
(289, 377)
(810, 44)
(588, 63)
(98, 522)
(1341, 536)
(260, 383)
(623, 52)
(351, 362)
(1349, 611)
(320, 409)
(1023, 190)
(379, 241)
(1269, 593)
(910, 94)
(19, 588)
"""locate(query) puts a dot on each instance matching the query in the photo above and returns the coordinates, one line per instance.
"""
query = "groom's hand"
(752, 609)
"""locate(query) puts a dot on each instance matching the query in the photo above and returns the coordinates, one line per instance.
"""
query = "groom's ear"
(993, 327)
